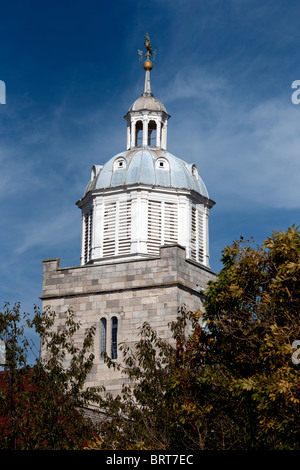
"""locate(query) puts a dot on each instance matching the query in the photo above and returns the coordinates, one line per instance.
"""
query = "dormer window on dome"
(95, 170)
(162, 164)
(195, 171)
(120, 164)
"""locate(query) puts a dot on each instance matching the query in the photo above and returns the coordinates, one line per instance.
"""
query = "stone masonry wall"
(135, 292)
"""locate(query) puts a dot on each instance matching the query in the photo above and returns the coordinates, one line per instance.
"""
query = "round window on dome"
(162, 164)
(120, 164)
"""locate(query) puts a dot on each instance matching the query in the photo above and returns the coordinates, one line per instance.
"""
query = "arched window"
(162, 164)
(139, 134)
(103, 328)
(114, 338)
(152, 133)
(120, 163)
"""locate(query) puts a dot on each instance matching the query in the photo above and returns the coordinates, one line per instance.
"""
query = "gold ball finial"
(148, 64)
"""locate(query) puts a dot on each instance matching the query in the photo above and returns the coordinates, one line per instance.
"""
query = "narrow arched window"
(103, 328)
(152, 133)
(162, 164)
(114, 338)
(119, 164)
(139, 133)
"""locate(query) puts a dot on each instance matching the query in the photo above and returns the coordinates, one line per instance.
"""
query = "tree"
(252, 312)
(42, 405)
(12, 383)
(227, 382)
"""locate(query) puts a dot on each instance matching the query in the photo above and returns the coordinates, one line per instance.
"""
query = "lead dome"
(150, 166)
(147, 102)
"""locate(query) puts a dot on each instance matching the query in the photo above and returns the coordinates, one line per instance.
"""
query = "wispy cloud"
(246, 149)
(49, 231)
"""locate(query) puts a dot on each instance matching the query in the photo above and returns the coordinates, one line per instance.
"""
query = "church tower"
(145, 239)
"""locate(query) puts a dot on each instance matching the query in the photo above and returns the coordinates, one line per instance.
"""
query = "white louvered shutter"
(117, 228)
(170, 223)
(88, 223)
(162, 224)
(197, 238)
(124, 227)
(154, 226)
(109, 229)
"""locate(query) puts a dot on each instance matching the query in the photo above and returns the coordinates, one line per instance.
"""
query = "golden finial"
(147, 64)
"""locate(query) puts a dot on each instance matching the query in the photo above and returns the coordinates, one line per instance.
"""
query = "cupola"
(144, 197)
(147, 118)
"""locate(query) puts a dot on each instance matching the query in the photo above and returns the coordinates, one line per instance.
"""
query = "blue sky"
(223, 70)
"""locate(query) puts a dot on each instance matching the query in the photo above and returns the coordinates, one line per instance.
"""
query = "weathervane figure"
(148, 64)
(148, 44)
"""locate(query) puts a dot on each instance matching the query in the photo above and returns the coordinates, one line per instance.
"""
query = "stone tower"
(145, 249)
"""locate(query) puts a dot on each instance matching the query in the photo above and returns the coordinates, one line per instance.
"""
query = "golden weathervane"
(148, 64)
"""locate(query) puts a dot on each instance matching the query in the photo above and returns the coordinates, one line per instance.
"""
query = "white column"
(82, 238)
(128, 136)
(164, 136)
(206, 236)
(133, 134)
(158, 133)
(96, 229)
(145, 132)
(183, 223)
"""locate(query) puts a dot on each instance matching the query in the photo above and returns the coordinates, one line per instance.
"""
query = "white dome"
(147, 102)
(151, 166)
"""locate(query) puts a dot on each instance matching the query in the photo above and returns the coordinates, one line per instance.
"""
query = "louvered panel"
(197, 235)
(124, 227)
(154, 226)
(193, 233)
(200, 238)
(109, 229)
(170, 223)
(86, 237)
(88, 223)
(90, 231)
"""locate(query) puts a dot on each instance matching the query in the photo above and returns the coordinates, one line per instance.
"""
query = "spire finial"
(147, 64)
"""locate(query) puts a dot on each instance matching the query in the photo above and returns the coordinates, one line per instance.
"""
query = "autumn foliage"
(228, 378)
(227, 381)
